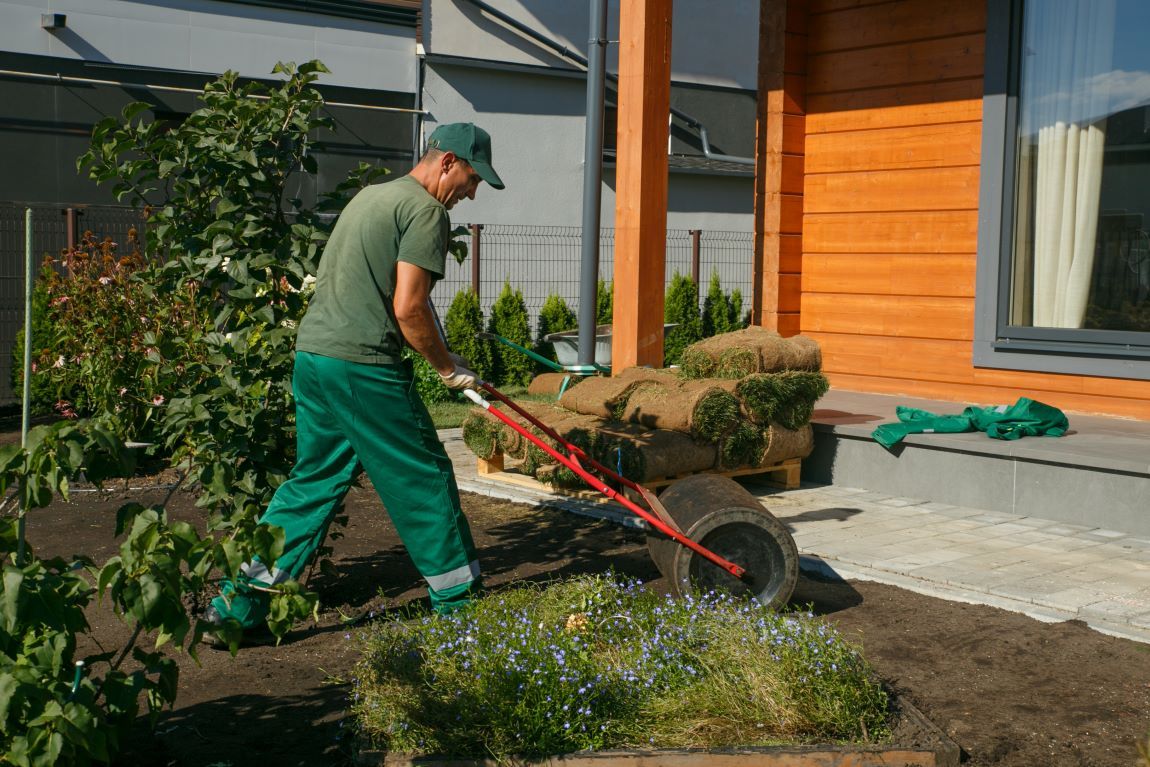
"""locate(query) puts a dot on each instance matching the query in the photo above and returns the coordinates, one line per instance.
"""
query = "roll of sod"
(782, 444)
(644, 455)
(604, 397)
(698, 408)
(787, 398)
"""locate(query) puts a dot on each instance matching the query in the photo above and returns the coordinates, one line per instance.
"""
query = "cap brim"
(487, 173)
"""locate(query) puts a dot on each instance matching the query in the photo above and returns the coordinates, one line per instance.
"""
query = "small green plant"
(464, 321)
(681, 308)
(41, 388)
(604, 302)
(555, 316)
(739, 319)
(509, 320)
(599, 663)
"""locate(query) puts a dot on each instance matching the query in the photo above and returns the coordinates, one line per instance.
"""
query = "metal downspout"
(571, 55)
(592, 183)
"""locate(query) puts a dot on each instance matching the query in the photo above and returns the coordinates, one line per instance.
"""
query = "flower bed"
(596, 663)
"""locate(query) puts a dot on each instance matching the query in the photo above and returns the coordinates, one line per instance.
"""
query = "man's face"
(458, 180)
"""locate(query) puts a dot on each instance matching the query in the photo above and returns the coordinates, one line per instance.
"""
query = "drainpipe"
(592, 183)
(565, 52)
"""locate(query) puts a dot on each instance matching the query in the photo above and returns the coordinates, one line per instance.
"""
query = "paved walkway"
(1048, 570)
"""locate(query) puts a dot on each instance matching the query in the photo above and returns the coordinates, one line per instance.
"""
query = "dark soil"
(1011, 691)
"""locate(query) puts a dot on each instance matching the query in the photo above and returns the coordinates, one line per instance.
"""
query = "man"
(355, 400)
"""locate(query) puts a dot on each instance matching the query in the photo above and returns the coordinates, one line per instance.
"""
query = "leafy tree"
(233, 254)
(554, 316)
(464, 321)
(738, 319)
(509, 320)
(682, 308)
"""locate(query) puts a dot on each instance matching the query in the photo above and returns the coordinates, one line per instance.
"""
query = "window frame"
(1105, 353)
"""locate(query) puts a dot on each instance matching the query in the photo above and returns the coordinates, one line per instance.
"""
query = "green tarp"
(1025, 418)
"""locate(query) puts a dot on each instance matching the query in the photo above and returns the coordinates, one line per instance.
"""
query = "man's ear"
(447, 161)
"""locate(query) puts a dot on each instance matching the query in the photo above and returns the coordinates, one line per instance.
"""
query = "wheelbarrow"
(570, 370)
(706, 531)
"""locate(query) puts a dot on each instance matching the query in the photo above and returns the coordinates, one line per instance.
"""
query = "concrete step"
(1096, 476)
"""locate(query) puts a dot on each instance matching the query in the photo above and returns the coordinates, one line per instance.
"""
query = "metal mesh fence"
(538, 260)
(545, 260)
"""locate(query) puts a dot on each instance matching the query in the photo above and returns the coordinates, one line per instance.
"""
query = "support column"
(779, 150)
(641, 182)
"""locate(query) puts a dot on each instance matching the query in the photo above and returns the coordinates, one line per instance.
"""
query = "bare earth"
(1011, 691)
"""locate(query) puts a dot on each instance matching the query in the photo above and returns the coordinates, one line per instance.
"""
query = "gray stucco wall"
(714, 42)
(212, 37)
(537, 127)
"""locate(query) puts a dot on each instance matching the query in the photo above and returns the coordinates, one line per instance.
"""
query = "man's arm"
(416, 322)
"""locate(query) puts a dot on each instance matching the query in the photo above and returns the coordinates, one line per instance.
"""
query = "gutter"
(564, 52)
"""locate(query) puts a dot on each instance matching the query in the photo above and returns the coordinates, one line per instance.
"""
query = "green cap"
(469, 142)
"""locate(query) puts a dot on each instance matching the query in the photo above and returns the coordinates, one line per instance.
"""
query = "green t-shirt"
(351, 317)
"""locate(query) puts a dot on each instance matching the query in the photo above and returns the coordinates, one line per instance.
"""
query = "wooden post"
(779, 140)
(641, 182)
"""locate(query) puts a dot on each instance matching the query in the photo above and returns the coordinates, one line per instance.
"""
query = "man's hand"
(460, 378)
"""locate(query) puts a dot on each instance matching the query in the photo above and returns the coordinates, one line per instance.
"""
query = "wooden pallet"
(785, 475)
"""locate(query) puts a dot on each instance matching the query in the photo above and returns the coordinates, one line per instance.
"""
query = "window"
(1064, 249)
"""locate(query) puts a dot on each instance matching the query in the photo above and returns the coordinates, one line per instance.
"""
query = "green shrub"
(428, 382)
(463, 322)
(604, 302)
(42, 389)
(554, 316)
(600, 663)
(509, 320)
(681, 307)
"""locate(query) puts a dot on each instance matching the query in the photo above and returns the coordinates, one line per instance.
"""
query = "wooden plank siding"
(893, 129)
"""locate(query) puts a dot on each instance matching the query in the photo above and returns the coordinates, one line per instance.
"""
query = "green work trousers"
(350, 414)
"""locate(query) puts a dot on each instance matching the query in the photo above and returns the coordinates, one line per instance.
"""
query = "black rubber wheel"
(752, 539)
(722, 515)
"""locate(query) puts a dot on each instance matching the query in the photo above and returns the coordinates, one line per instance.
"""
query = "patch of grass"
(599, 663)
(450, 415)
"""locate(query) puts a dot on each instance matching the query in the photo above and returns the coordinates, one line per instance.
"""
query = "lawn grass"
(450, 415)
(599, 663)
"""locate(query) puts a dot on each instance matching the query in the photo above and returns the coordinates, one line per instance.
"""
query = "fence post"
(70, 219)
(475, 239)
(695, 241)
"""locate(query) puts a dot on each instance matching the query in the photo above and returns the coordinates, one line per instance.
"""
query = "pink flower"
(59, 362)
(158, 400)
(123, 390)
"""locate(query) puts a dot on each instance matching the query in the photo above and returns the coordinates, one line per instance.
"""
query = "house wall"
(893, 104)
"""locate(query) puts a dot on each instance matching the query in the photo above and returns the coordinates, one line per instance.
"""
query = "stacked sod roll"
(740, 400)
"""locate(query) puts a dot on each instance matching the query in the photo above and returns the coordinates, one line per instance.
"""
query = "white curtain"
(1067, 60)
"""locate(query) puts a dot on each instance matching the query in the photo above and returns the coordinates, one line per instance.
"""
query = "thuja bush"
(554, 316)
(722, 312)
(462, 325)
(509, 319)
(604, 302)
(601, 663)
(682, 308)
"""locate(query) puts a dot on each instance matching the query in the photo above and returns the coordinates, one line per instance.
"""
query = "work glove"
(460, 378)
